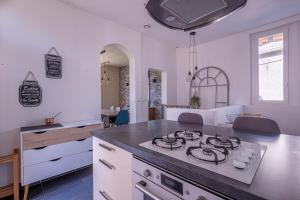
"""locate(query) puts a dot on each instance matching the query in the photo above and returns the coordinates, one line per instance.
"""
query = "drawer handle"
(81, 126)
(39, 148)
(39, 132)
(105, 195)
(57, 159)
(91, 150)
(80, 140)
(106, 164)
(106, 147)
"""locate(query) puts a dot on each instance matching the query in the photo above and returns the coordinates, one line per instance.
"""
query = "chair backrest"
(122, 118)
(190, 118)
(257, 124)
(112, 108)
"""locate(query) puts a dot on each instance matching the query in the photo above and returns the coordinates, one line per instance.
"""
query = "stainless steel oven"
(146, 190)
(152, 183)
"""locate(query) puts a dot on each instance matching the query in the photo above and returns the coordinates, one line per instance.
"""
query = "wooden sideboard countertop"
(66, 125)
(39, 138)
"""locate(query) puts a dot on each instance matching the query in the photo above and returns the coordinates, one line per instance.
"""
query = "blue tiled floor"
(74, 186)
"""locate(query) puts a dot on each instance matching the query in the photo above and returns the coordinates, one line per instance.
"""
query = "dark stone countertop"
(277, 178)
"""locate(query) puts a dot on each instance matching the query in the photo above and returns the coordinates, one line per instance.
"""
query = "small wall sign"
(53, 64)
(30, 93)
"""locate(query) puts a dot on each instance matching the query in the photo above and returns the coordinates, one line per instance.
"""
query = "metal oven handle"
(141, 187)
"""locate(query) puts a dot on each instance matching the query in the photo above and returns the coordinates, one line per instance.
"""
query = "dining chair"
(256, 124)
(122, 118)
(192, 118)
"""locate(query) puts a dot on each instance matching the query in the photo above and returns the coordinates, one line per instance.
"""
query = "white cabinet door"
(116, 181)
(99, 193)
(111, 172)
(113, 154)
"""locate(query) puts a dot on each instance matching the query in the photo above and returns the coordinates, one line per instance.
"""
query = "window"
(270, 66)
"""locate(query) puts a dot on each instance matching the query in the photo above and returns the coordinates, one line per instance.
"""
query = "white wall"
(110, 91)
(232, 54)
(29, 29)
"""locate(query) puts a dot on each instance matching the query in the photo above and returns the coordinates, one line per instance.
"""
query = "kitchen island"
(277, 177)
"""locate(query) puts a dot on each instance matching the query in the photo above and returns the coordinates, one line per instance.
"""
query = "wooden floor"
(75, 186)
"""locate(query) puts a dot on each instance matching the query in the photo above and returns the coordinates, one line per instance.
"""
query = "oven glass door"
(144, 189)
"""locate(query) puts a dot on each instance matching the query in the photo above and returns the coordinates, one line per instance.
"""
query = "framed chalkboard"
(53, 64)
(30, 93)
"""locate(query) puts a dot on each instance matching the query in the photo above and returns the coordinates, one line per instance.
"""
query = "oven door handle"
(141, 187)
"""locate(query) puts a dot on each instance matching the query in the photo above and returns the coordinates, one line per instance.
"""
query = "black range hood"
(191, 14)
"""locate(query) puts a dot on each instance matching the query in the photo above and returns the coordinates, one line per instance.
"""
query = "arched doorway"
(157, 93)
(117, 80)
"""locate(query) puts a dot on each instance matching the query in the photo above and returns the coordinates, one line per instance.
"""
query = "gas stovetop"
(229, 157)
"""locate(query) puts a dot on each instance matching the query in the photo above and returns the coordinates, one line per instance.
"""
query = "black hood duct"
(191, 14)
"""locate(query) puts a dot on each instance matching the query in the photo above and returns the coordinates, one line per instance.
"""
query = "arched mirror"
(211, 85)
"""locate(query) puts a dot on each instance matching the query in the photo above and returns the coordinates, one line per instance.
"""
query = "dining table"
(108, 117)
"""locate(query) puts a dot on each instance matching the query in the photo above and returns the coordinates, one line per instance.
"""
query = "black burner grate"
(208, 154)
(169, 142)
(218, 141)
(189, 135)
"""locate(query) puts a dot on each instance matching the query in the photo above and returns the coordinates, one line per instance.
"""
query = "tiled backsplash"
(124, 86)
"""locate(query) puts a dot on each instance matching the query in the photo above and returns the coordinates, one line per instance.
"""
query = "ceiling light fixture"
(147, 26)
(193, 61)
(170, 18)
(105, 64)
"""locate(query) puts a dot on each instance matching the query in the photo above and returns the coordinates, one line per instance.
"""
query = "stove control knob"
(201, 198)
(147, 173)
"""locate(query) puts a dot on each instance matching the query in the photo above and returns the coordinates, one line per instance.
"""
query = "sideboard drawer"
(56, 166)
(50, 137)
(43, 154)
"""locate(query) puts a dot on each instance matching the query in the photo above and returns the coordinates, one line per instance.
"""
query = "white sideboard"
(50, 152)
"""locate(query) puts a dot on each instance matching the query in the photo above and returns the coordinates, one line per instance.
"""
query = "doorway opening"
(115, 85)
(157, 96)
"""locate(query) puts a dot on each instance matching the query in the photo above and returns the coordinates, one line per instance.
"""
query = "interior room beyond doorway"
(157, 96)
(114, 84)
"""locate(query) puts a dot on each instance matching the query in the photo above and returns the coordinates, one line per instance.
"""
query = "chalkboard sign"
(53, 64)
(30, 93)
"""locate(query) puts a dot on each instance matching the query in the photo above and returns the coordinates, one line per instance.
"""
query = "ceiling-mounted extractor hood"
(191, 14)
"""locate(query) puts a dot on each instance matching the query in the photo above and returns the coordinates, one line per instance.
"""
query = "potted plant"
(195, 102)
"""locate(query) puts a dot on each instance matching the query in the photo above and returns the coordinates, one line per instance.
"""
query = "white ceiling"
(132, 14)
(115, 57)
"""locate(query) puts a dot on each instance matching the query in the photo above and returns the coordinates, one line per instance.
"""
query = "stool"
(12, 189)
